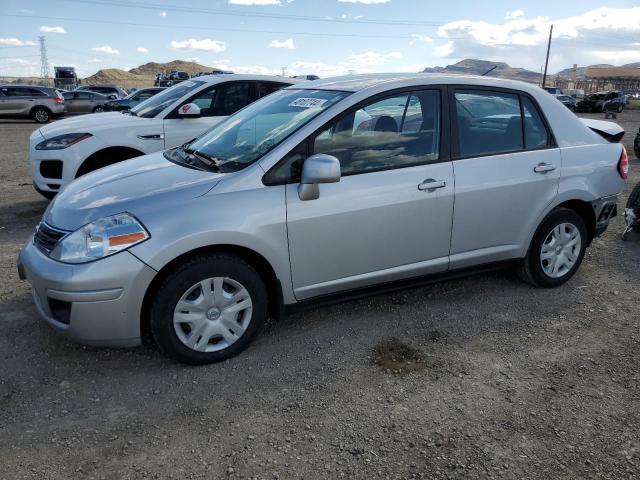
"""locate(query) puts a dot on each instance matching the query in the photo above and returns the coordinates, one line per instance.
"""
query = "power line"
(240, 13)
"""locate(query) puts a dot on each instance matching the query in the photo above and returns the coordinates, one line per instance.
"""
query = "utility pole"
(546, 62)
(284, 71)
(44, 61)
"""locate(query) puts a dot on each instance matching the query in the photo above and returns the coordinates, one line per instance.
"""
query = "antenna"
(44, 61)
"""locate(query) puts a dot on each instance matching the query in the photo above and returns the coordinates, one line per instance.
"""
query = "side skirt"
(340, 297)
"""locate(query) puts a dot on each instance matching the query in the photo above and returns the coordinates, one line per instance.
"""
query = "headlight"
(100, 239)
(62, 141)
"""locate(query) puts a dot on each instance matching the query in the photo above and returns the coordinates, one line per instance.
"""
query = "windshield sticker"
(308, 102)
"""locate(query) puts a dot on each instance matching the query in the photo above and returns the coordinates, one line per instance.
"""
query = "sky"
(323, 37)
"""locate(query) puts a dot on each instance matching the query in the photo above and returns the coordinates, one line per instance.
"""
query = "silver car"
(323, 190)
(30, 101)
(81, 101)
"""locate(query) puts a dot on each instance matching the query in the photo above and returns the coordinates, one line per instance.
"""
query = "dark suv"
(30, 101)
(601, 101)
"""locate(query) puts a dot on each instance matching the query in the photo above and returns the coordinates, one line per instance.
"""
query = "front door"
(507, 171)
(215, 104)
(390, 215)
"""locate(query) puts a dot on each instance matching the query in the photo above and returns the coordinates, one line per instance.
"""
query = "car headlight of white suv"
(100, 239)
(60, 142)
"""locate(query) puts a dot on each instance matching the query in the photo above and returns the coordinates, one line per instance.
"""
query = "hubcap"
(41, 116)
(560, 250)
(212, 314)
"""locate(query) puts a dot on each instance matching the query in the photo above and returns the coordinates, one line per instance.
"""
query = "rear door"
(381, 222)
(18, 102)
(216, 103)
(507, 170)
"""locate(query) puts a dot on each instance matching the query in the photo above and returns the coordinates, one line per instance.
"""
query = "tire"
(98, 109)
(46, 194)
(537, 270)
(41, 115)
(636, 145)
(224, 333)
(620, 108)
(633, 202)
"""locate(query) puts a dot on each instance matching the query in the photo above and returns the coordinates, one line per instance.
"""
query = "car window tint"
(488, 122)
(535, 132)
(68, 95)
(83, 96)
(204, 101)
(394, 132)
(265, 88)
(14, 91)
(231, 98)
(36, 93)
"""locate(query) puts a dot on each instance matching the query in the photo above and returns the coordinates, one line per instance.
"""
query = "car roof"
(6, 85)
(356, 83)
(237, 76)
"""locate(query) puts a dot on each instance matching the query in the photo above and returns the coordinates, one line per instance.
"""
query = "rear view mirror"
(317, 169)
(189, 110)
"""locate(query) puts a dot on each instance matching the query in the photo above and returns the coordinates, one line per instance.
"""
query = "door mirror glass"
(319, 168)
(189, 110)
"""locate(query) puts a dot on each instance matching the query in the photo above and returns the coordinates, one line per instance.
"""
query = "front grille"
(47, 237)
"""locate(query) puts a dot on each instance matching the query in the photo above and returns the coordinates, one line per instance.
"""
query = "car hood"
(136, 186)
(91, 123)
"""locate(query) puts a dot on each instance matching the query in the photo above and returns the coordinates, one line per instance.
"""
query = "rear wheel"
(556, 250)
(620, 107)
(208, 309)
(41, 115)
(633, 203)
(98, 109)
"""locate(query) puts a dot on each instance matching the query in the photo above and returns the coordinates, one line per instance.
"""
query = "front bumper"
(97, 303)
(605, 209)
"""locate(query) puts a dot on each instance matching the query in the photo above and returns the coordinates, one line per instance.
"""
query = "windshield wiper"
(208, 160)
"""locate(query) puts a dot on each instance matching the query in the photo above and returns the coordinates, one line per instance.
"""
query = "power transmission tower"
(44, 61)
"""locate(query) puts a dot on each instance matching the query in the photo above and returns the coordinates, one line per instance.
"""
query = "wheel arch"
(585, 210)
(253, 258)
(42, 107)
(104, 157)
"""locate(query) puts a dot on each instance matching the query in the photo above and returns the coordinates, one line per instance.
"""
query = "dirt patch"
(397, 357)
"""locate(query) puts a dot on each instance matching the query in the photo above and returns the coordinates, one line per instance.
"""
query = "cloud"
(288, 43)
(512, 15)
(365, 2)
(19, 61)
(56, 29)
(602, 34)
(163, 14)
(192, 59)
(106, 49)
(416, 37)
(205, 44)
(94, 60)
(255, 2)
(372, 58)
(142, 50)
(14, 42)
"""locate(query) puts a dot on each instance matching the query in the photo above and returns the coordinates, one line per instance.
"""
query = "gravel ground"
(504, 380)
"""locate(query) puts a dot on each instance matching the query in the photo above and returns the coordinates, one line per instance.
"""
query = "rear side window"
(15, 91)
(497, 122)
(230, 98)
(535, 132)
(488, 122)
(265, 88)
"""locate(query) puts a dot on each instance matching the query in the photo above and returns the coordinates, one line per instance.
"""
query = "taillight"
(58, 99)
(623, 164)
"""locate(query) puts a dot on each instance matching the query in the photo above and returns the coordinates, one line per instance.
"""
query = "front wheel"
(98, 109)
(556, 250)
(620, 107)
(208, 309)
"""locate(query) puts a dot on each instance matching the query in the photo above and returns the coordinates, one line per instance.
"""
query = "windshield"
(255, 130)
(156, 104)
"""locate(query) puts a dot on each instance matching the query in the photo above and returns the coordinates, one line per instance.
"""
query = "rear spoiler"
(611, 132)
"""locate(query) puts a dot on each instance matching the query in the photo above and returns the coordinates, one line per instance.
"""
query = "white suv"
(72, 147)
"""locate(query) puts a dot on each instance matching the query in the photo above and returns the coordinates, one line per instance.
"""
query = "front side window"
(246, 136)
(394, 132)
(265, 88)
(230, 98)
(488, 122)
(14, 92)
(156, 104)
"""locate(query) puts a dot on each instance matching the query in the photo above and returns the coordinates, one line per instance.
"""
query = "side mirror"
(189, 110)
(317, 169)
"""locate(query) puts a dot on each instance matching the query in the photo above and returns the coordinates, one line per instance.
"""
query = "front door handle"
(431, 184)
(544, 168)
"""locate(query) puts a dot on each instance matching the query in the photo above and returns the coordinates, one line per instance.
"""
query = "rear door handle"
(544, 168)
(431, 184)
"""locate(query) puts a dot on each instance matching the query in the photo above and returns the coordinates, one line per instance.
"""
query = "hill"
(478, 67)
(152, 68)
